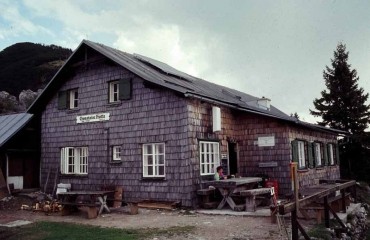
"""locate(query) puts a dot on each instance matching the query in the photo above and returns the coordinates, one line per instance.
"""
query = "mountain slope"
(29, 66)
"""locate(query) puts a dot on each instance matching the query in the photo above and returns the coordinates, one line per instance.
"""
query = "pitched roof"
(161, 74)
(11, 124)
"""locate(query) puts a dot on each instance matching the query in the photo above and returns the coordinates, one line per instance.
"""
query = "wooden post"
(118, 197)
(326, 212)
(344, 208)
(55, 181)
(294, 225)
(295, 183)
(47, 180)
(354, 193)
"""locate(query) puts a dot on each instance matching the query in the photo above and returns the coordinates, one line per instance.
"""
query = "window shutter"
(125, 88)
(62, 161)
(326, 159)
(311, 162)
(336, 160)
(295, 157)
(62, 100)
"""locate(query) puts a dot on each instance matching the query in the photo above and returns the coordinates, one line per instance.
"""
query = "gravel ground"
(220, 227)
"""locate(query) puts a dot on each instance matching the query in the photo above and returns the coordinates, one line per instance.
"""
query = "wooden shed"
(114, 118)
(19, 150)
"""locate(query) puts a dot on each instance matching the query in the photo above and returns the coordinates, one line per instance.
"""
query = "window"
(209, 157)
(120, 90)
(73, 98)
(154, 160)
(331, 154)
(68, 99)
(301, 154)
(114, 91)
(116, 153)
(74, 160)
(318, 153)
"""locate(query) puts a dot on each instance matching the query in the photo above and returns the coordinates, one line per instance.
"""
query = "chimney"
(264, 103)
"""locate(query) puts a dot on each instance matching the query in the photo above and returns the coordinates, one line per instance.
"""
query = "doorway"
(233, 158)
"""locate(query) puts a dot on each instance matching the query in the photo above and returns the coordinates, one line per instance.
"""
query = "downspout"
(108, 150)
(7, 172)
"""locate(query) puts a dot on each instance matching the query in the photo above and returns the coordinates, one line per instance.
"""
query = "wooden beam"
(326, 212)
(301, 229)
(287, 208)
(294, 225)
(337, 217)
(88, 61)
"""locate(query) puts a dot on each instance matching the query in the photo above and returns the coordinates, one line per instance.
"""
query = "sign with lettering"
(267, 164)
(97, 117)
(266, 141)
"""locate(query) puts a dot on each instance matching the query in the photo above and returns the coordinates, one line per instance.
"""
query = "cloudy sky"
(277, 49)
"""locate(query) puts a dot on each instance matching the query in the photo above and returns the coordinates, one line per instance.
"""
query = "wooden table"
(90, 199)
(228, 187)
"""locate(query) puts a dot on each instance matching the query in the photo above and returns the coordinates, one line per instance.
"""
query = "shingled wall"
(152, 115)
(245, 129)
(155, 114)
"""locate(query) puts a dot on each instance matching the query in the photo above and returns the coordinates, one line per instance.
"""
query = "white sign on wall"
(97, 117)
(266, 141)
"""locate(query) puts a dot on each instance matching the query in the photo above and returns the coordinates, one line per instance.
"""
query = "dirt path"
(205, 226)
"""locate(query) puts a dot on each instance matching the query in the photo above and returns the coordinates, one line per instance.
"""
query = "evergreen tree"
(343, 105)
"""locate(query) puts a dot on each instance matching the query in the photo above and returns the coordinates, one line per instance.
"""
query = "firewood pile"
(39, 202)
(44, 206)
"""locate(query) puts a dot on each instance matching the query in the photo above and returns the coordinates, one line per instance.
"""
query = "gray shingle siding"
(152, 115)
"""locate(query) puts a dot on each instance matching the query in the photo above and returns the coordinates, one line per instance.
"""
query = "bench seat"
(205, 197)
(250, 197)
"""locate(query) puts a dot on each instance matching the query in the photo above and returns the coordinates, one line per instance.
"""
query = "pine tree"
(343, 105)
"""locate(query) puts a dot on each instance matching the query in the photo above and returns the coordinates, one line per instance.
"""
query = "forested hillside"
(25, 68)
(29, 66)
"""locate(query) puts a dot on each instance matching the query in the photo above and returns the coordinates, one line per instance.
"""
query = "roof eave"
(15, 132)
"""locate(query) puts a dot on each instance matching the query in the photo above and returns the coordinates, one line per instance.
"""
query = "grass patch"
(319, 231)
(62, 231)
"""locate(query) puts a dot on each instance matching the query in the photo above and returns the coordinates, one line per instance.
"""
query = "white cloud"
(16, 24)
(165, 43)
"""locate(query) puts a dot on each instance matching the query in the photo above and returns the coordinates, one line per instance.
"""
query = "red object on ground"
(273, 183)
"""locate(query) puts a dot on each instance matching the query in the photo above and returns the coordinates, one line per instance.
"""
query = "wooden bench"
(68, 207)
(250, 197)
(206, 196)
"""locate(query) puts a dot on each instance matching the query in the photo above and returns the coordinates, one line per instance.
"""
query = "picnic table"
(229, 187)
(90, 199)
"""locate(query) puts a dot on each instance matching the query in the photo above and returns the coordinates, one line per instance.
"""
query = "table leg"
(103, 204)
(231, 202)
(224, 192)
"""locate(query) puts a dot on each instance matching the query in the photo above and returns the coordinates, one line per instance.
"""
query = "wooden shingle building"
(113, 118)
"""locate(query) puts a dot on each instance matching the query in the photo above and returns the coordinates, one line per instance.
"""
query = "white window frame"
(74, 160)
(209, 157)
(301, 154)
(116, 153)
(317, 149)
(73, 98)
(114, 91)
(154, 160)
(331, 154)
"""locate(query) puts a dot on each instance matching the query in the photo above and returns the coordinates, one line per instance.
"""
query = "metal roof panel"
(11, 124)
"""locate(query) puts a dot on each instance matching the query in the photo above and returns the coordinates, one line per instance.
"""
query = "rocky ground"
(205, 226)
